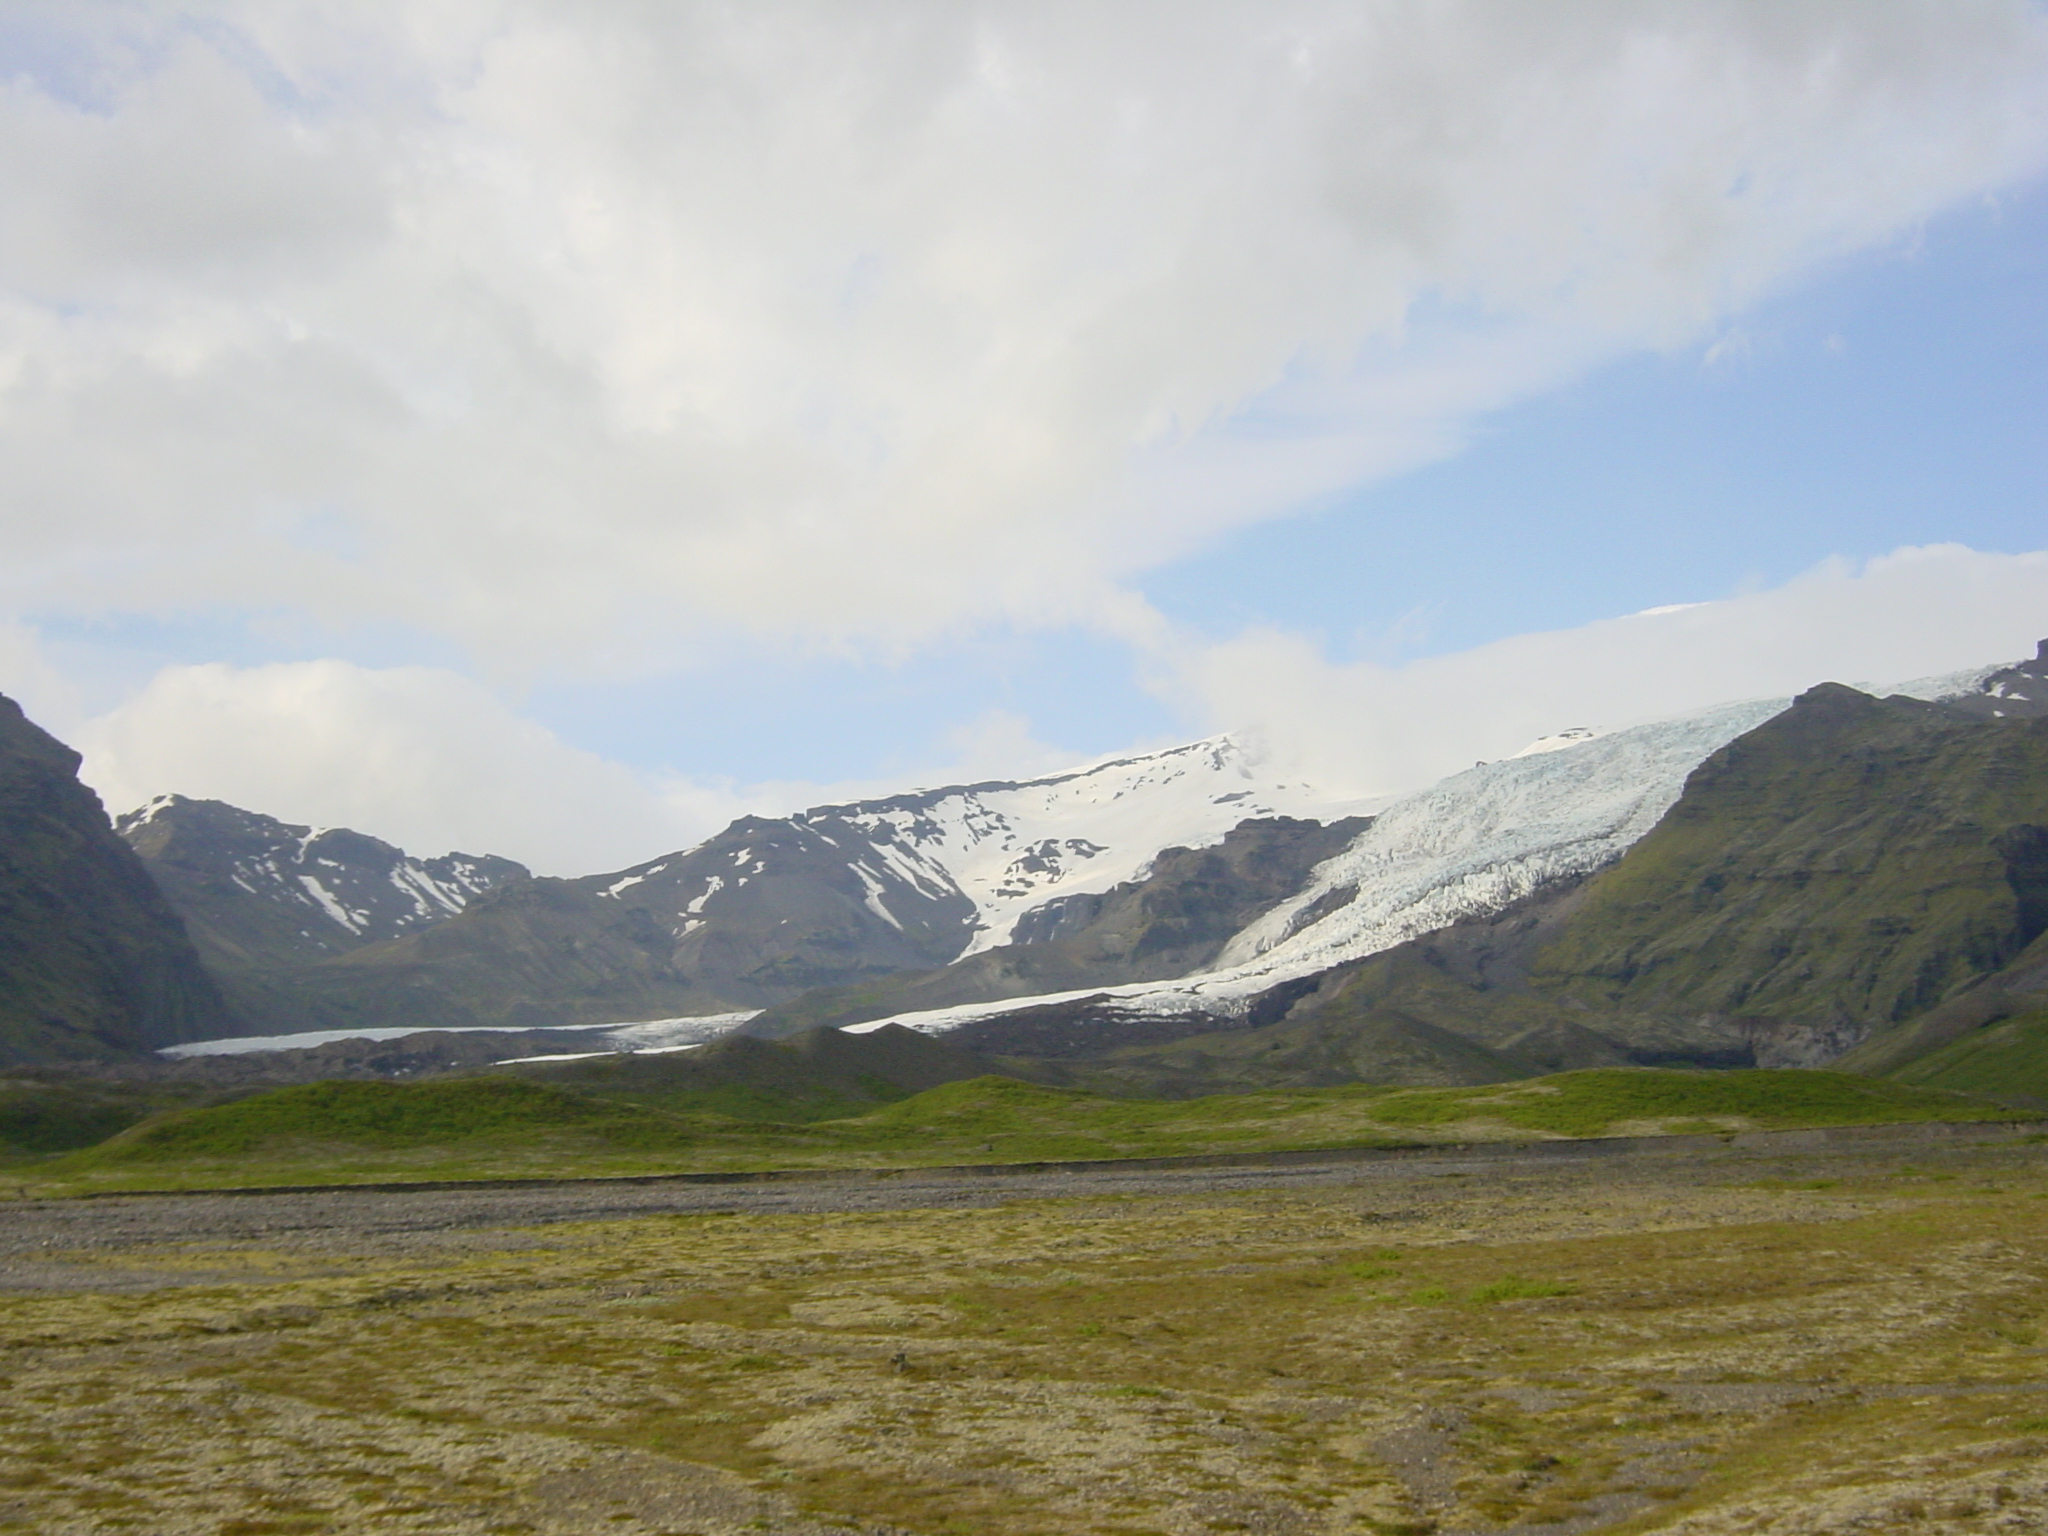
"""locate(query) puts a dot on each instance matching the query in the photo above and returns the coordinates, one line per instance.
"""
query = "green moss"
(2009, 1057)
(499, 1127)
(393, 1115)
(1515, 1288)
(1593, 1102)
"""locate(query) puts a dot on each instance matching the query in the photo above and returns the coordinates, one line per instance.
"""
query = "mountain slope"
(258, 892)
(1468, 846)
(1175, 920)
(1842, 873)
(1010, 846)
(93, 961)
(940, 906)
(1844, 869)
(768, 909)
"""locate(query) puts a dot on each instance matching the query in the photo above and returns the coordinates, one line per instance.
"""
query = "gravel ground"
(392, 1222)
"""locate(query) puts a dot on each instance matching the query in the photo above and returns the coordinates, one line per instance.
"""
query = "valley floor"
(1844, 1337)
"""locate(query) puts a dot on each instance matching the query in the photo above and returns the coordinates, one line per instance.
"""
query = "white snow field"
(1011, 846)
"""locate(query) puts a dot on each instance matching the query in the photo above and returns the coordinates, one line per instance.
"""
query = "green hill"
(821, 1074)
(311, 1119)
(349, 1132)
(2005, 1060)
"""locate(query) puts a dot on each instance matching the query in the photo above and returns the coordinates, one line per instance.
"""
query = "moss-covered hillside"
(1839, 869)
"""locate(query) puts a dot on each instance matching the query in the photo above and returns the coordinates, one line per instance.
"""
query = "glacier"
(1466, 846)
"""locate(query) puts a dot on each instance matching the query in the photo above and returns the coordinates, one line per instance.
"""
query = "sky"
(553, 429)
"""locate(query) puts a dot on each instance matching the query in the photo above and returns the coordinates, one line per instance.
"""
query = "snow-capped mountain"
(951, 870)
(330, 929)
(1009, 847)
(256, 890)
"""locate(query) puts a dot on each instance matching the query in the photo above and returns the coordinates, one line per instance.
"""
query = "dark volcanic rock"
(2017, 692)
(93, 961)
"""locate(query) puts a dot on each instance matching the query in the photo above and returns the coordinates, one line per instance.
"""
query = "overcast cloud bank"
(572, 330)
(428, 759)
(595, 339)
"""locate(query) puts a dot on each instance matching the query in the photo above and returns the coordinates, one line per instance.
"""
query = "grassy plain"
(1821, 1343)
(499, 1127)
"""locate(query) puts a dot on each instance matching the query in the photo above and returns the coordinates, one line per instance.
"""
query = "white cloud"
(1365, 729)
(569, 330)
(415, 755)
(38, 684)
(429, 760)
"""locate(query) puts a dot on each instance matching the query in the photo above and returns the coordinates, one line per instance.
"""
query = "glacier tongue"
(1481, 839)
(1468, 845)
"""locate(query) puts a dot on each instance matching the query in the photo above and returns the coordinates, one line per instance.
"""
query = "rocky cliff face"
(93, 961)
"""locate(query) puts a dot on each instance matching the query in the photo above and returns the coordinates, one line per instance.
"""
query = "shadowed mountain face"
(770, 908)
(93, 961)
(760, 913)
(332, 929)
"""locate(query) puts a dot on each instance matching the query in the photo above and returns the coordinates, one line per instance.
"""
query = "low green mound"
(507, 1127)
(819, 1075)
(34, 1118)
(396, 1115)
(2008, 1059)
(1593, 1103)
(984, 1106)
(60, 1110)
(1029, 1122)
